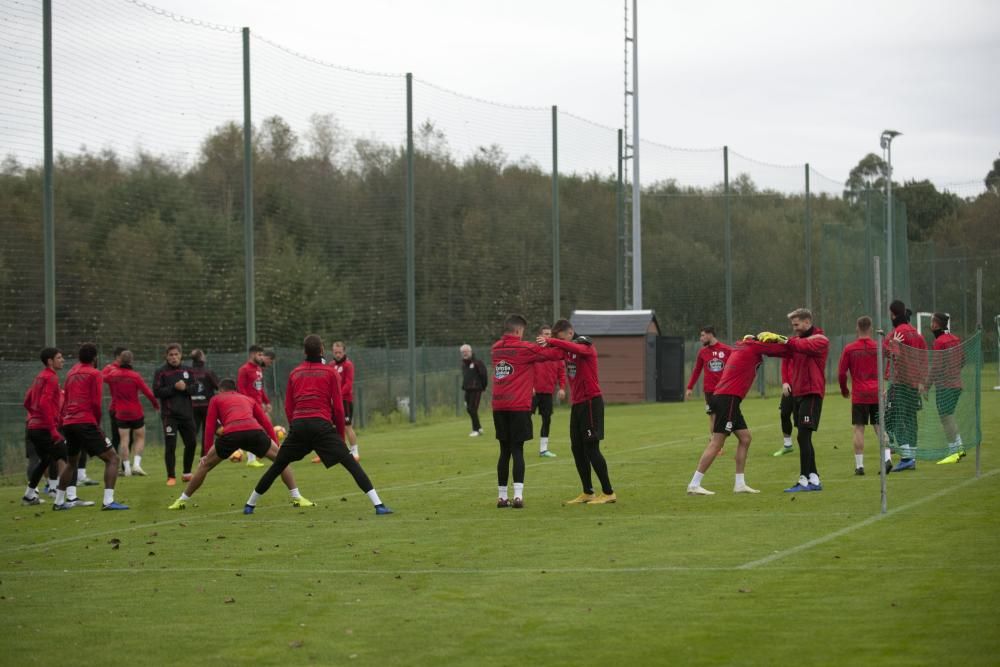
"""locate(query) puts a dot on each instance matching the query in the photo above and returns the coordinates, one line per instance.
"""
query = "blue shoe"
(248, 509)
(798, 488)
(114, 506)
(814, 487)
(61, 507)
(906, 464)
(382, 509)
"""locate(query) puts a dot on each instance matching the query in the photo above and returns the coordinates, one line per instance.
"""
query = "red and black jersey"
(250, 382)
(314, 393)
(345, 368)
(44, 403)
(550, 376)
(235, 412)
(107, 369)
(786, 370)
(906, 363)
(808, 365)
(946, 369)
(581, 368)
(125, 385)
(173, 403)
(711, 358)
(204, 384)
(741, 368)
(514, 363)
(860, 359)
(82, 391)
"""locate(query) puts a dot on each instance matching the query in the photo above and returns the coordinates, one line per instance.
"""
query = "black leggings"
(587, 454)
(786, 408)
(186, 429)
(288, 455)
(508, 450)
(807, 453)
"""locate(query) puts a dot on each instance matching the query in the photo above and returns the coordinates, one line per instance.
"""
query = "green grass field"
(659, 578)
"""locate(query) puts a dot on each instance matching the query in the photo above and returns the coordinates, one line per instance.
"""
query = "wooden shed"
(637, 364)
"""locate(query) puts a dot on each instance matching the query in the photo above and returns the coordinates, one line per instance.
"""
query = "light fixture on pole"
(886, 143)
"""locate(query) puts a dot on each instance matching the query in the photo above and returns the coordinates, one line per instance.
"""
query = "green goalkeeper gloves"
(769, 337)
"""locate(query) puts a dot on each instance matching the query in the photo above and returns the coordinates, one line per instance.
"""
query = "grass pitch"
(659, 578)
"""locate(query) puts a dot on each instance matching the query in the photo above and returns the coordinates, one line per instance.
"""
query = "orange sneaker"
(171, 481)
(186, 477)
(237, 456)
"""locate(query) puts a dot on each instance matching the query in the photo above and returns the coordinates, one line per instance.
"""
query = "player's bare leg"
(859, 449)
(125, 440)
(743, 436)
(704, 463)
(138, 447)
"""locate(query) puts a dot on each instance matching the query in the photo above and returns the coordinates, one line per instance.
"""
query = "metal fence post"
(620, 229)
(809, 247)
(248, 251)
(728, 245)
(411, 296)
(882, 436)
(556, 305)
(48, 199)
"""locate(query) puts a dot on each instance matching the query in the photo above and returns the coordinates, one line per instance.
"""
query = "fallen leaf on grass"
(295, 644)
(744, 590)
(229, 601)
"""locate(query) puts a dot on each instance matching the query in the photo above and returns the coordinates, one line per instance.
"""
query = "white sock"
(128, 468)
(958, 441)
(60, 496)
(518, 490)
(503, 492)
(859, 460)
(905, 452)
(354, 450)
(788, 441)
(814, 479)
(888, 454)
(373, 496)
(109, 496)
(696, 478)
(81, 474)
(250, 457)
(740, 479)
(294, 493)
(71, 492)
(137, 461)
(543, 444)
(185, 496)
(252, 500)
(30, 493)
(53, 482)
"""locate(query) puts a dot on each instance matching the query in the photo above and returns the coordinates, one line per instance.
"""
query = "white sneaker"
(137, 470)
(743, 488)
(128, 472)
(480, 431)
(475, 434)
(699, 491)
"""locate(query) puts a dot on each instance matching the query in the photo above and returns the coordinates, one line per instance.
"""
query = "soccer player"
(474, 383)
(243, 426)
(549, 376)
(172, 385)
(946, 377)
(81, 415)
(906, 368)
(786, 407)
(810, 348)
(204, 384)
(315, 411)
(43, 403)
(737, 378)
(586, 421)
(125, 383)
(514, 362)
(116, 354)
(250, 382)
(345, 368)
(860, 360)
(712, 358)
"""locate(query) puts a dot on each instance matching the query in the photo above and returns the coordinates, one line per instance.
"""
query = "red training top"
(83, 396)
(741, 368)
(514, 362)
(236, 413)
(786, 370)
(314, 393)
(44, 403)
(549, 376)
(946, 369)
(907, 363)
(808, 365)
(250, 382)
(125, 385)
(345, 368)
(713, 359)
(860, 359)
(581, 367)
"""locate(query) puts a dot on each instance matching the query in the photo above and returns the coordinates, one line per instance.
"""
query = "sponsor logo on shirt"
(502, 370)
(716, 365)
(571, 369)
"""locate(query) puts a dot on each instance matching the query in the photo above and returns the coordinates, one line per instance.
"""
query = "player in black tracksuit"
(173, 385)
(203, 387)
(474, 381)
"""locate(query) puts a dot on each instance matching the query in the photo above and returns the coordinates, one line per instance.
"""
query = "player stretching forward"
(313, 405)
(860, 360)
(731, 389)
(586, 421)
(81, 415)
(244, 426)
(548, 377)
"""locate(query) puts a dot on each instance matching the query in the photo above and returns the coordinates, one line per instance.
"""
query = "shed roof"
(615, 322)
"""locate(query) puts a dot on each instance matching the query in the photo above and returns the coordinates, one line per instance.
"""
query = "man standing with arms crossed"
(549, 376)
(859, 359)
(250, 382)
(474, 382)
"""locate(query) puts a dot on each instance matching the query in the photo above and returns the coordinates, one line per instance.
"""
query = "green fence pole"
(728, 245)
(411, 280)
(869, 283)
(556, 307)
(620, 229)
(809, 247)
(248, 251)
(48, 198)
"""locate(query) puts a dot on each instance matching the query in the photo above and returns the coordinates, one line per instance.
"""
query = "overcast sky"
(780, 81)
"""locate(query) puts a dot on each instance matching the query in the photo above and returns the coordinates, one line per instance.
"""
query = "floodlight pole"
(636, 188)
(48, 197)
(886, 143)
(881, 384)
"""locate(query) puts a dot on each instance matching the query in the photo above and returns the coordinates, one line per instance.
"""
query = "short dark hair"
(172, 346)
(899, 310)
(270, 354)
(48, 353)
(87, 353)
(513, 322)
(561, 325)
(255, 348)
(197, 355)
(227, 384)
(864, 323)
(313, 346)
(710, 330)
(543, 327)
(942, 319)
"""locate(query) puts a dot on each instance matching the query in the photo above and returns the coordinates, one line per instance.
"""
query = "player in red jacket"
(241, 424)
(860, 360)
(946, 378)
(81, 418)
(315, 411)
(906, 370)
(514, 362)
(125, 384)
(731, 389)
(345, 368)
(250, 382)
(43, 403)
(550, 376)
(712, 358)
(586, 420)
